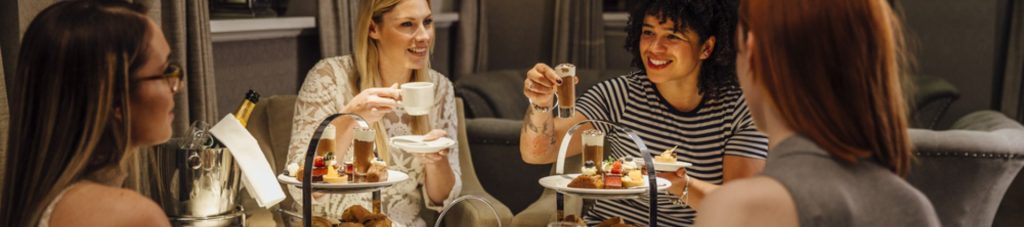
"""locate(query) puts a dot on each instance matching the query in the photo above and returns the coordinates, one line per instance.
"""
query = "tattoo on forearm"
(546, 128)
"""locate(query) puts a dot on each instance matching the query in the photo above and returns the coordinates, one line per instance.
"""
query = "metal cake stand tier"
(648, 162)
(307, 184)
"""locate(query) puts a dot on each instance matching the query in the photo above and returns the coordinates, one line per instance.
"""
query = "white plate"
(561, 183)
(393, 178)
(670, 167)
(420, 146)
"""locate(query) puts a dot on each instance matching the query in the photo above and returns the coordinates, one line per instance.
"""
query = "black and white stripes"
(716, 127)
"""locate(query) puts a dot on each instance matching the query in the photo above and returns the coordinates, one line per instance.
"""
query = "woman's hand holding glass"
(373, 103)
(540, 85)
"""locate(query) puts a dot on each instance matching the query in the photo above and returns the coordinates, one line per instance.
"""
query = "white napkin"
(257, 176)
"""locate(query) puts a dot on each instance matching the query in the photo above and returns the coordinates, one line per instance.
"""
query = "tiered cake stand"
(560, 180)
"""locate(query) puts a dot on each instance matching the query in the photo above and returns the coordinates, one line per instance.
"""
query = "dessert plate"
(670, 167)
(561, 183)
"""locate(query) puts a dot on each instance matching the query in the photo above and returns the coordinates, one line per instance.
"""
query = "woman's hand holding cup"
(373, 103)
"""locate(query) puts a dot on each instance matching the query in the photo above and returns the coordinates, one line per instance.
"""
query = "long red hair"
(834, 69)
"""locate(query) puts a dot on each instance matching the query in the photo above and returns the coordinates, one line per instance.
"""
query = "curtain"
(471, 39)
(579, 34)
(336, 20)
(5, 119)
(1013, 77)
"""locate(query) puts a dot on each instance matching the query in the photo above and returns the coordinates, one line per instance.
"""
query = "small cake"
(612, 181)
(669, 156)
(588, 177)
(377, 172)
(628, 164)
(613, 178)
(299, 174)
(633, 179)
(293, 169)
(335, 179)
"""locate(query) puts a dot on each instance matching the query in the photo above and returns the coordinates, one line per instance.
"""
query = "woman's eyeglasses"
(172, 75)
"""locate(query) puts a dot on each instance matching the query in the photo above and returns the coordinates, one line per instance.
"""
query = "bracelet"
(686, 193)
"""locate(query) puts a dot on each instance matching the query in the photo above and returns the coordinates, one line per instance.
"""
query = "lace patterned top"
(324, 92)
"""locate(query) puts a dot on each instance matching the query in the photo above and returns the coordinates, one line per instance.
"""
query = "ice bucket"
(191, 183)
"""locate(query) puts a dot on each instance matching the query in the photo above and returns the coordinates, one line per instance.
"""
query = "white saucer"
(670, 167)
(415, 144)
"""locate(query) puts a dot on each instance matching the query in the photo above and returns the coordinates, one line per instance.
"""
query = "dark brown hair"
(73, 71)
(707, 18)
(834, 69)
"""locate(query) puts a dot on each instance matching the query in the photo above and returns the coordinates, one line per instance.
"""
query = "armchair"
(966, 171)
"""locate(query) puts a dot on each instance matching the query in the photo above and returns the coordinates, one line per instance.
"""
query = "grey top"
(829, 192)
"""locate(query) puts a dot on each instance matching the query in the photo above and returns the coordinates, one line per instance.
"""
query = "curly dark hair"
(705, 17)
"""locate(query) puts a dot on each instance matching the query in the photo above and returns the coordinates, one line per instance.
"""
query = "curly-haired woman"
(685, 94)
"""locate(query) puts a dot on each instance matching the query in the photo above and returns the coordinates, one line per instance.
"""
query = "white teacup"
(417, 97)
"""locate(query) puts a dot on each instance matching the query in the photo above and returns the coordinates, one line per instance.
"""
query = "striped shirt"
(715, 128)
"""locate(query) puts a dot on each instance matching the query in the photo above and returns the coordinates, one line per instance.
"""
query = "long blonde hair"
(367, 61)
(73, 77)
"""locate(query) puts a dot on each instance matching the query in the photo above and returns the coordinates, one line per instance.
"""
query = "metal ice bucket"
(190, 183)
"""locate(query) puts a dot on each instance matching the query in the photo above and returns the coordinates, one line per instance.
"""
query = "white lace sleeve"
(446, 119)
(324, 92)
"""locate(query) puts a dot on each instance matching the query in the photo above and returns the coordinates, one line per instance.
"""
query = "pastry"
(614, 222)
(588, 178)
(355, 213)
(587, 181)
(669, 156)
(574, 219)
(377, 172)
(384, 222)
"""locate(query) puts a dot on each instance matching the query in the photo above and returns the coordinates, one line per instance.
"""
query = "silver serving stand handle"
(462, 199)
(651, 178)
(307, 173)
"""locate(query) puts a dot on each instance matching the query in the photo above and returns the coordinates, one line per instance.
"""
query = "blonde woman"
(392, 48)
(92, 86)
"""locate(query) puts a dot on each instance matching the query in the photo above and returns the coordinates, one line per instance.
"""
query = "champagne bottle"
(242, 113)
(245, 108)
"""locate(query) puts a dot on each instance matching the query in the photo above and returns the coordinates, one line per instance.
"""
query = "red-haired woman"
(822, 80)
